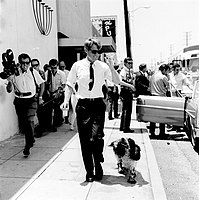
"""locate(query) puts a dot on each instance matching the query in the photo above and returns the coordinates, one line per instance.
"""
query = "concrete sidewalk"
(63, 176)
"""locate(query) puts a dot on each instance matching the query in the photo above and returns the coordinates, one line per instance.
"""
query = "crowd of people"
(83, 89)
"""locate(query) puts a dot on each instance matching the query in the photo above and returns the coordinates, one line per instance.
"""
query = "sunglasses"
(95, 51)
(35, 65)
(25, 63)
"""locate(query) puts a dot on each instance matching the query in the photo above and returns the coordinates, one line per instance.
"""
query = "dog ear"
(134, 150)
(131, 143)
(137, 152)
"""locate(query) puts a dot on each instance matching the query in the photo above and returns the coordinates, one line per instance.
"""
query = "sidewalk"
(55, 169)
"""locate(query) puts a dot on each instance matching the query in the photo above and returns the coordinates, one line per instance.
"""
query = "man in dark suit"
(142, 81)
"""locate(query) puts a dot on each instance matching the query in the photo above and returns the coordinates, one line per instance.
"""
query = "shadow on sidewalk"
(122, 180)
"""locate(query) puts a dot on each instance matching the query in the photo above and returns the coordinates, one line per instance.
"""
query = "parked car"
(179, 111)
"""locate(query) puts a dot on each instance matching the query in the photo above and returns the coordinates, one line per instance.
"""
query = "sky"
(157, 32)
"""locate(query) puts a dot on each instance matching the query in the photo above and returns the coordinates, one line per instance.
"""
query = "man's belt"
(23, 94)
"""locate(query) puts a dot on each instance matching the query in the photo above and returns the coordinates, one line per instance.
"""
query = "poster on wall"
(106, 26)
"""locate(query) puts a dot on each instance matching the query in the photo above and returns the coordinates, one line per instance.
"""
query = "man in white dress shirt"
(90, 75)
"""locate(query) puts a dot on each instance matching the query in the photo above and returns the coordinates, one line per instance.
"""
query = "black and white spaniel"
(127, 154)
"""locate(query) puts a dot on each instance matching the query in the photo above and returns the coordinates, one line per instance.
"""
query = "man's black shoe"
(89, 178)
(128, 131)
(110, 118)
(26, 152)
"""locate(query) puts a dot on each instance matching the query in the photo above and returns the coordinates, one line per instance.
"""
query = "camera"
(10, 68)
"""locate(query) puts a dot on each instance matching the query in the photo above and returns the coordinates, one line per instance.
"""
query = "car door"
(158, 109)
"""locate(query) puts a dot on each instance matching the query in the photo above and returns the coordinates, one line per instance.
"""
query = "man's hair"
(23, 56)
(175, 66)
(46, 66)
(53, 62)
(92, 41)
(127, 59)
(164, 67)
(35, 60)
(142, 66)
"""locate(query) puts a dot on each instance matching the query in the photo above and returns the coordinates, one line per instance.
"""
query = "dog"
(127, 154)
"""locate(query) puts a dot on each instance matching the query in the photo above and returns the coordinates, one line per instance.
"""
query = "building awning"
(77, 44)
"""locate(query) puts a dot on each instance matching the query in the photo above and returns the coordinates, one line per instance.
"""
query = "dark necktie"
(91, 77)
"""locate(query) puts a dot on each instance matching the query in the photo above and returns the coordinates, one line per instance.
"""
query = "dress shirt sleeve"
(38, 77)
(122, 74)
(108, 75)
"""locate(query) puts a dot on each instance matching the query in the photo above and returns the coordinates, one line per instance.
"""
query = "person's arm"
(116, 79)
(9, 86)
(127, 85)
(67, 94)
(41, 91)
(187, 83)
(115, 75)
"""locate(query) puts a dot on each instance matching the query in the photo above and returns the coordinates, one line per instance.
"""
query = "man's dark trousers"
(90, 123)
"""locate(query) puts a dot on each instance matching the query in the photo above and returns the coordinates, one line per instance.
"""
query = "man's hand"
(64, 105)
(109, 61)
(9, 86)
(132, 88)
(41, 101)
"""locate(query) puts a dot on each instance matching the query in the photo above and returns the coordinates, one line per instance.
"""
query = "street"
(178, 164)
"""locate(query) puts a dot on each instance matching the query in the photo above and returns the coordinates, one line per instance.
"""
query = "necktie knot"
(91, 77)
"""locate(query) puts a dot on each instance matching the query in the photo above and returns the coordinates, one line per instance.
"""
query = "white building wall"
(74, 18)
(18, 31)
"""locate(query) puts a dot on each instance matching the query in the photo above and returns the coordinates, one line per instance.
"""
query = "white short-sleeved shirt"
(80, 74)
(178, 80)
(25, 82)
(127, 75)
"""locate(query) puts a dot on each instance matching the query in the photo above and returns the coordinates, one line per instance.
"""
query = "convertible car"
(179, 111)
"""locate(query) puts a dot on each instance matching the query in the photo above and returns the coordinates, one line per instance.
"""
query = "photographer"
(25, 84)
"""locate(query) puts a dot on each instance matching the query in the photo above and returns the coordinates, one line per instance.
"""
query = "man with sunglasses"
(90, 74)
(126, 95)
(25, 102)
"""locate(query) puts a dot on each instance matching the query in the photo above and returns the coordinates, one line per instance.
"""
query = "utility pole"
(127, 28)
(187, 39)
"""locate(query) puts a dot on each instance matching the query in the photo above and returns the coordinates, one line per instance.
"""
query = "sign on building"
(106, 26)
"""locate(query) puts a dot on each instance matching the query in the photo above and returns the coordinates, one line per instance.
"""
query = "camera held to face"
(10, 68)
